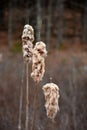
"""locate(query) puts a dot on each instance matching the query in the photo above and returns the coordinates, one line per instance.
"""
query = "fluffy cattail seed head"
(51, 92)
(40, 47)
(27, 39)
(27, 51)
(38, 59)
(28, 33)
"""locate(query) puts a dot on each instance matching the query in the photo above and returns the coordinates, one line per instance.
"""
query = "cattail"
(38, 67)
(28, 33)
(51, 92)
(27, 47)
(27, 39)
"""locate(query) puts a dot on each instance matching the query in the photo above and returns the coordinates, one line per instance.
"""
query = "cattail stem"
(53, 124)
(27, 97)
(34, 105)
(21, 101)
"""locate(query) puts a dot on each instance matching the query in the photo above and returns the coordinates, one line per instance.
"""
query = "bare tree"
(48, 28)
(10, 25)
(39, 20)
(76, 19)
(1, 16)
(84, 34)
(60, 10)
(27, 12)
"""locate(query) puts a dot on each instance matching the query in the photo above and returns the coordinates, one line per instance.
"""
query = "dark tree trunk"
(10, 25)
(48, 26)
(1, 17)
(2, 10)
(60, 11)
(84, 34)
(39, 20)
(27, 13)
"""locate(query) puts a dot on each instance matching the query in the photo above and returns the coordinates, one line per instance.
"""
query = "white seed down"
(28, 33)
(40, 49)
(51, 92)
(27, 51)
(38, 60)
(27, 39)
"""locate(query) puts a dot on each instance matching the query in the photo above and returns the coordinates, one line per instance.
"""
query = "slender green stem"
(27, 97)
(34, 105)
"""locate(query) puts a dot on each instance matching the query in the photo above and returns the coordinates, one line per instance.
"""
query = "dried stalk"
(21, 102)
(27, 97)
(53, 125)
(27, 48)
(35, 105)
(38, 70)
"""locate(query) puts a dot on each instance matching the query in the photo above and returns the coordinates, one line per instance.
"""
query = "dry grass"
(61, 69)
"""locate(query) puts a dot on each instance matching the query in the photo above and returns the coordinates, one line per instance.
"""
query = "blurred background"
(62, 25)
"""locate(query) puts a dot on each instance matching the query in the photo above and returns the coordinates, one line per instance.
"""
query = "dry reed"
(38, 70)
(27, 47)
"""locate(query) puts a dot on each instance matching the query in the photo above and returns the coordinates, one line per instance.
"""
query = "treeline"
(54, 21)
